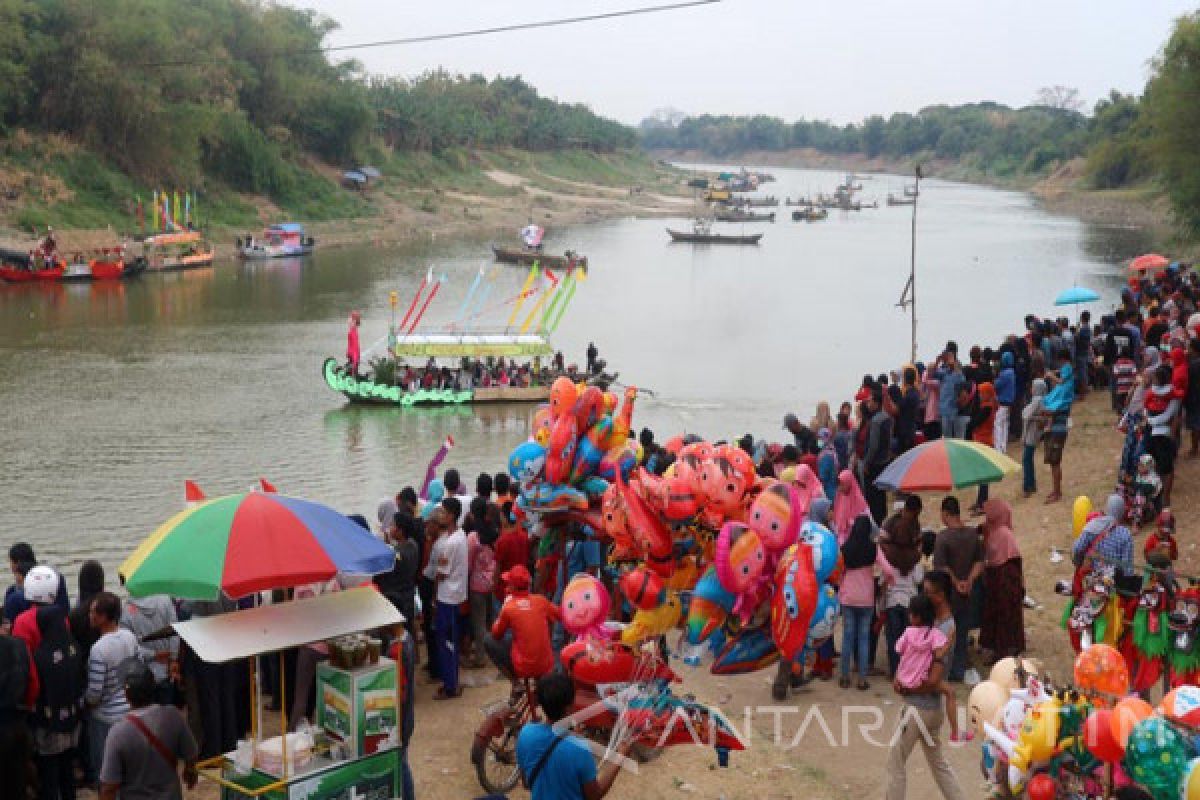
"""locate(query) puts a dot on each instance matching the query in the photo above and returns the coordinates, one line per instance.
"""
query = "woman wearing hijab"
(983, 427)
(900, 542)
(827, 463)
(435, 492)
(1002, 627)
(1032, 418)
(857, 596)
(822, 419)
(848, 504)
(808, 487)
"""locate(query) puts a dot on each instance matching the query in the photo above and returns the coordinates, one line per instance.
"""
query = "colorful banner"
(533, 271)
(432, 294)
(563, 308)
(536, 307)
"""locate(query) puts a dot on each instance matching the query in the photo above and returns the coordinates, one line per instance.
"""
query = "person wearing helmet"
(58, 668)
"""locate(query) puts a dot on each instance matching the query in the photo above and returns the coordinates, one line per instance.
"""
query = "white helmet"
(41, 585)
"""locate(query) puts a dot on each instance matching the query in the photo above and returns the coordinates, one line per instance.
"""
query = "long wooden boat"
(810, 214)
(79, 271)
(713, 238)
(284, 240)
(744, 216)
(802, 202)
(892, 200)
(760, 202)
(166, 252)
(512, 255)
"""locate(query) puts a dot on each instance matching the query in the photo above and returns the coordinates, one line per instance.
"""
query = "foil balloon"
(585, 605)
(824, 546)
(563, 395)
(723, 485)
(590, 450)
(793, 601)
(649, 532)
(741, 561)
(824, 615)
(526, 463)
(616, 525)
(1157, 757)
(560, 453)
(740, 460)
(750, 650)
(642, 588)
(551, 497)
(543, 423)
(1189, 787)
(649, 624)
(708, 609)
(589, 408)
(609, 662)
(623, 421)
(681, 502)
(773, 517)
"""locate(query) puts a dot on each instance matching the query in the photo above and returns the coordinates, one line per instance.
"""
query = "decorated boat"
(526, 256)
(105, 265)
(384, 384)
(284, 240)
(176, 250)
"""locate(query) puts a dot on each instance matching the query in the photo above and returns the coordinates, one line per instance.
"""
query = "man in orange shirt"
(527, 653)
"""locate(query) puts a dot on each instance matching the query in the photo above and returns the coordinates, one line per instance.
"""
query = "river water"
(113, 395)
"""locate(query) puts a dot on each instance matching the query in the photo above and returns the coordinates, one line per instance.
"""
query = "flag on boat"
(532, 235)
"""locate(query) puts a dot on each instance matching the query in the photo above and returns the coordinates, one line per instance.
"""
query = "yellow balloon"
(1191, 781)
(1079, 513)
(648, 624)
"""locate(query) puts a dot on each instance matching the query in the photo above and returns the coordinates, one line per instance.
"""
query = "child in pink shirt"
(916, 647)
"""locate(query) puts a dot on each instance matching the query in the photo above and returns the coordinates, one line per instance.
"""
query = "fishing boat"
(277, 241)
(382, 386)
(701, 233)
(893, 200)
(810, 214)
(178, 250)
(910, 190)
(526, 256)
(110, 265)
(802, 202)
(760, 202)
(738, 215)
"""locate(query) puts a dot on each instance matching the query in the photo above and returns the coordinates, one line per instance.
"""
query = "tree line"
(171, 91)
(1127, 139)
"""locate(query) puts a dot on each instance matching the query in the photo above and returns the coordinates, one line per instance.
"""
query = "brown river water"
(113, 395)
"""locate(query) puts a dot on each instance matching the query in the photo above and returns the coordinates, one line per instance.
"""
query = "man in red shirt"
(527, 653)
(512, 549)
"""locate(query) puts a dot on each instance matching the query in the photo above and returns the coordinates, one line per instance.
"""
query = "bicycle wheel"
(496, 767)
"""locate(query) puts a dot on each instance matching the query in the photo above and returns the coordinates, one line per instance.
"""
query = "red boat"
(109, 265)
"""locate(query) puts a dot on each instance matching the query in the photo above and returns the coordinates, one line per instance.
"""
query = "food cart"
(354, 753)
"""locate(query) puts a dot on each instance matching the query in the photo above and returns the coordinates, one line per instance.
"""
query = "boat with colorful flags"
(460, 362)
(283, 240)
(176, 250)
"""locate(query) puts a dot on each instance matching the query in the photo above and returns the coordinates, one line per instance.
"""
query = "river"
(113, 395)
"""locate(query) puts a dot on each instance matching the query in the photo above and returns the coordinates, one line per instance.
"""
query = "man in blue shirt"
(950, 380)
(557, 765)
(1006, 395)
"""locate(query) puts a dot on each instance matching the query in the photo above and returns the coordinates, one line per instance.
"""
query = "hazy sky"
(825, 59)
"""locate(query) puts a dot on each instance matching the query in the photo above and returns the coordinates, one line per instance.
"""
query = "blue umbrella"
(1076, 295)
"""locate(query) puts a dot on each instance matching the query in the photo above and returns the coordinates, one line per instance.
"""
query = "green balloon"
(1157, 757)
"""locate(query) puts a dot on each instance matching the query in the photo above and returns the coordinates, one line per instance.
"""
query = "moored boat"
(283, 240)
(893, 200)
(738, 215)
(110, 267)
(175, 251)
(810, 214)
(525, 256)
(759, 202)
(702, 234)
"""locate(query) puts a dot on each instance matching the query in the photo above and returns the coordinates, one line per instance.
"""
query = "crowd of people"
(80, 684)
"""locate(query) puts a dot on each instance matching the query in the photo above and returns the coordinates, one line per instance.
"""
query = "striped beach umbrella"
(251, 542)
(944, 465)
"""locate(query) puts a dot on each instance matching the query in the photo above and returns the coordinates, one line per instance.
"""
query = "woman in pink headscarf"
(808, 487)
(353, 353)
(1002, 629)
(848, 505)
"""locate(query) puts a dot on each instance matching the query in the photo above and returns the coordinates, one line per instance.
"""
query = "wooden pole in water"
(912, 264)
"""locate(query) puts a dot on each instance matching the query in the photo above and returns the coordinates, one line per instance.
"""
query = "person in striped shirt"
(1124, 374)
(105, 695)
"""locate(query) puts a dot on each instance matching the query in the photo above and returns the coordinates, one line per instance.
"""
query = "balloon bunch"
(1035, 739)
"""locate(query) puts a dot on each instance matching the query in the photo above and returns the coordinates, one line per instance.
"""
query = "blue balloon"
(824, 545)
(824, 615)
(527, 461)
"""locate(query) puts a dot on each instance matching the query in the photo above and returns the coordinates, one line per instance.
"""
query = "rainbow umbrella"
(245, 543)
(944, 465)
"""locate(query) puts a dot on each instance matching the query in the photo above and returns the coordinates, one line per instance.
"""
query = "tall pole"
(912, 264)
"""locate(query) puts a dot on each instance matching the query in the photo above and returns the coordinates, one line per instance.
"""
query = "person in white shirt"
(448, 567)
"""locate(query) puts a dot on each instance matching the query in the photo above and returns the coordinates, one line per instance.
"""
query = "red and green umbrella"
(251, 542)
(944, 465)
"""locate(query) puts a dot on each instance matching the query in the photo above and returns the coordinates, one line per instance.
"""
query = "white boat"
(277, 241)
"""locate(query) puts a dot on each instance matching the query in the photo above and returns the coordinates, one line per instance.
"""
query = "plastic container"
(374, 650)
(268, 756)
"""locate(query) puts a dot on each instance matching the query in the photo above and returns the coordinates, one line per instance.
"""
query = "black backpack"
(59, 666)
(14, 673)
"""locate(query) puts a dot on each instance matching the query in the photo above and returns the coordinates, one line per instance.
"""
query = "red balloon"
(1098, 737)
(643, 588)
(1041, 787)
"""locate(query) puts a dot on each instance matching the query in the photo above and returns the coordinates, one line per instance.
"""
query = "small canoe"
(509, 255)
(713, 238)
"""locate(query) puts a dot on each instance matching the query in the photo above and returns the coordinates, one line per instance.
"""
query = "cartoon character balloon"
(563, 396)
(710, 605)
(794, 600)
(824, 546)
(773, 517)
(824, 616)
(643, 588)
(560, 453)
(526, 463)
(543, 423)
(585, 605)
(724, 486)
(740, 559)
